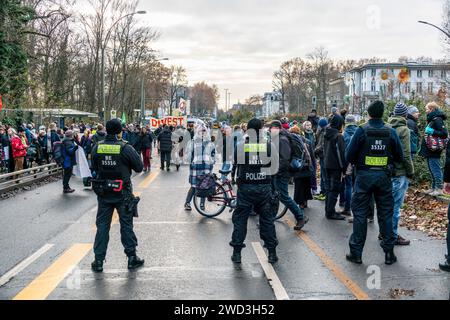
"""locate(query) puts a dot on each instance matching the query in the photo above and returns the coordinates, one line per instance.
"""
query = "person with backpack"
(69, 148)
(412, 122)
(19, 150)
(433, 144)
(318, 152)
(200, 153)
(302, 150)
(335, 165)
(165, 146)
(282, 142)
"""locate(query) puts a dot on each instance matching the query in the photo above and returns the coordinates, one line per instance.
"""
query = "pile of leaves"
(397, 293)
(425, 213)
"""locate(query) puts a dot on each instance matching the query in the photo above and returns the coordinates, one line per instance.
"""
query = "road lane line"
(271, 275)
(24, 264)
(46, 282)
(333, 267)
(146, 182)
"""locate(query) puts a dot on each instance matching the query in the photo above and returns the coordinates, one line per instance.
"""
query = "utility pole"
(229, 100)
(142, 102)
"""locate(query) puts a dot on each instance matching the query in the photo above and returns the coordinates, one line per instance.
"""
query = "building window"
(419, 87)
(408, 87)
(419, 73)
(430, 87)
(374, 73)
(372, 86)
(430, 73)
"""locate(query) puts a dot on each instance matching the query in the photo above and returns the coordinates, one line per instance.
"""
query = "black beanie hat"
(276, 124)
(113, 126)
(376, 109)
(337, 122)
(255, 124)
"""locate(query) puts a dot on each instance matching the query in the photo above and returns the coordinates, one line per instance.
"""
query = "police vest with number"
(376, 152)
(110, 161)
(254, 170)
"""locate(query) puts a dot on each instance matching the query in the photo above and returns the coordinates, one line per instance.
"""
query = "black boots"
(353, 258)
(135, 262)
(97, 265)
(236, 257)
(301, 223)
(446, 265)
(390, 258)
(273, 256)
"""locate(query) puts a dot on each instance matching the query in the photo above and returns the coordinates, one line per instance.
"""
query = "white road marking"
(169, 222)
(271, 275)
(24, 264)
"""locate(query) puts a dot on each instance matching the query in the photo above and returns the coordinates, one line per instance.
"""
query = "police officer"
(113, 160)
(373, 150)
(252, 158)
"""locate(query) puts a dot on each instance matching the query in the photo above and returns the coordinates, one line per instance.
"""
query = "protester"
(302, 177)
(402, 170)
(445, 266)
(282, 177)
(350, 129)
(86, 143)
(19, 150)
(435, 130)
(145, 146)
(201, 154)
(165, 146)
(69, 149)
(335, 165)
(311, 137)
(314, 119)
(413, 120)
(100, 135)
(132, 137)
(318, 152)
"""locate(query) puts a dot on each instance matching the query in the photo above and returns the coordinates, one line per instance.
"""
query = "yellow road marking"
(146, 182)
(47, 281)
(329, 263)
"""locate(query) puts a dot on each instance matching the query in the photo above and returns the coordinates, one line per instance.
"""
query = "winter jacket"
(4, 140)
(349, 133)
(145, 141)
(334, 150)
(415, 135)
(133, 139)
(86, 144)
(54, 137)
(311, 138)
(447, 164)
(18, 148)
(285, 154)
(165, 140)
(404, 168)
(99, 136)
(201, 156)
(318, 150)
(69, 150)
(353, 150)
(435, 120)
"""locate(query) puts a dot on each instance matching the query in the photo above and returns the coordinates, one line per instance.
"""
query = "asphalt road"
(46, 240)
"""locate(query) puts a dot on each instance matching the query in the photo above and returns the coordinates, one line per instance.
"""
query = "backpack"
(298, 161)
(58, 152)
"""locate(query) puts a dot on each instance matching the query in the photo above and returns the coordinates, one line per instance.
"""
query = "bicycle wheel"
(213, 205)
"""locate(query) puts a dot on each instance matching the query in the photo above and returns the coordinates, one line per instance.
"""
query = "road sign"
(113, 114)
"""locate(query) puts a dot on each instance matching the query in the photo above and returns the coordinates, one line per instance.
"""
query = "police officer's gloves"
(429, 131)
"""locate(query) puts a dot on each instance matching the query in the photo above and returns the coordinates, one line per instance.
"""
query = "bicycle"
(223, 197)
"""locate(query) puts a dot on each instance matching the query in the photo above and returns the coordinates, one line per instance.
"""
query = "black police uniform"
(254, 193)
(374, 149)
(113, 161)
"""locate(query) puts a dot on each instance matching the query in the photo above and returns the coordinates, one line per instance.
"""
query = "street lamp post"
(440, 29)
(226, 99)
(143, 94)
(229, 100)
(108, 34)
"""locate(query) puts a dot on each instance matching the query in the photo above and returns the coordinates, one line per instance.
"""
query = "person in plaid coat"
(200, 154)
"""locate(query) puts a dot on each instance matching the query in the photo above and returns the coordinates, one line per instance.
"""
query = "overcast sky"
(237, 44)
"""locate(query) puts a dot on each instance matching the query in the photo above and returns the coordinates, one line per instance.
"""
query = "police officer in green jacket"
(113, 161)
